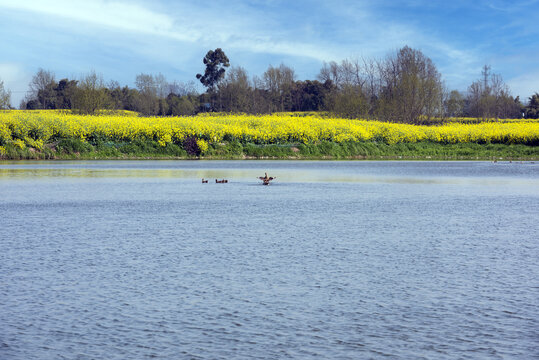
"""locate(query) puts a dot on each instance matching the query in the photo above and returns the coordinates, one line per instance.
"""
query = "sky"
(121, 39)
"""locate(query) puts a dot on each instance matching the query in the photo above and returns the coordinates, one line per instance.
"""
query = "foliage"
(182, 105)
(152, 91)
(202, 145)
(278, 82)
(489, 98)
(411, 87)
(66, 90)
(310, 95)
(190, 144)
(454, 105)
(48, 133)
(216, 61)
(90, 96)
(405, 87)
(71, 146)
(42, 94)
(532, 110)
(5, 97)
(235, 91)
(349, 102)
(280, 128)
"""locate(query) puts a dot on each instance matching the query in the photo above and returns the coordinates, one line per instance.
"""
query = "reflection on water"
(335, 260)
(287, 171)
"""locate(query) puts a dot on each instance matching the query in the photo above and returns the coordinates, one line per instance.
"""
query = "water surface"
(341, 260)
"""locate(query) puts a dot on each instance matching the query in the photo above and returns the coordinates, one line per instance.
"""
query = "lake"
(333, 260)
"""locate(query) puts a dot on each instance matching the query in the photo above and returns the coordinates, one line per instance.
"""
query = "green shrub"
(72, 146)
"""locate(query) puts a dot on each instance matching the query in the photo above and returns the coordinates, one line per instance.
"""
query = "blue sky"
(121, 39)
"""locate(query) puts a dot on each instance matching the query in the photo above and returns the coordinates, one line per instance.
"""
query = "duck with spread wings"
(266, 179)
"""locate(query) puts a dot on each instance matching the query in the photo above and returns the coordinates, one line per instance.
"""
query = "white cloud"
(122, 16)
(235, 31)
(236, 26)
(176, 32)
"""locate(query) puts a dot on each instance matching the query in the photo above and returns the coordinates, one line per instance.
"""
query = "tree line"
(405, 86)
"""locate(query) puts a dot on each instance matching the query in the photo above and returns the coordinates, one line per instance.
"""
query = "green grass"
(100, 149)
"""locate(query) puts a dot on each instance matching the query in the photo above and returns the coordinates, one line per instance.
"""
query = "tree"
(182, 99)
(115, 95)
(331, 72)
(91, 94)
(310, 95)
(181, 88)
(236, 91)
(509, 107)
(261, 102)
(349, 102)
(148, 89)
(42, 94)
(278, 82)
(162, 87)
(411, 87)
(5, 97)
(348, 73)
(65, 94)
(216, 61)
(489, 98)
(353, 86)
(532, 109)
(123, 98)
(182, 105)
(454, 105)
(45, 93)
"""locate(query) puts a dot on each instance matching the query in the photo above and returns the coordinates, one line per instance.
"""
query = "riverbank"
(51, 134)
(73, 149)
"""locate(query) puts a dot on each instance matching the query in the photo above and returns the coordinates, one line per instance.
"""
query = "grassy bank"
(69, 149)
(50, 134)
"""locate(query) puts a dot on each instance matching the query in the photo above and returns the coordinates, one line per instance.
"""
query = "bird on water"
(266, 179)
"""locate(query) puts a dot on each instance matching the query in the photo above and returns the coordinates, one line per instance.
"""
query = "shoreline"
(330, 151)
(42, 135)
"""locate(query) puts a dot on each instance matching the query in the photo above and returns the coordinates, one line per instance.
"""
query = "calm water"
(334, 260)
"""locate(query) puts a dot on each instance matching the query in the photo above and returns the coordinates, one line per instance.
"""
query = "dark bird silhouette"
(204, 181)
(266, 179)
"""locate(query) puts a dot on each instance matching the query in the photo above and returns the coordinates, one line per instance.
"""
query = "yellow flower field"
(38, 127)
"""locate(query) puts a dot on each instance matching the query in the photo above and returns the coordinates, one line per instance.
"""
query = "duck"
(204, 181)
(266, 179)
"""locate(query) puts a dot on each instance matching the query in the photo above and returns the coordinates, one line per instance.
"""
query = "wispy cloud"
(114, 15)
(351, 28)
(175, 34)
(512, 6)
(187, 25)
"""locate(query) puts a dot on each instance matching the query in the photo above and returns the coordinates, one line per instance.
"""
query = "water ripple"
(140, 266)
